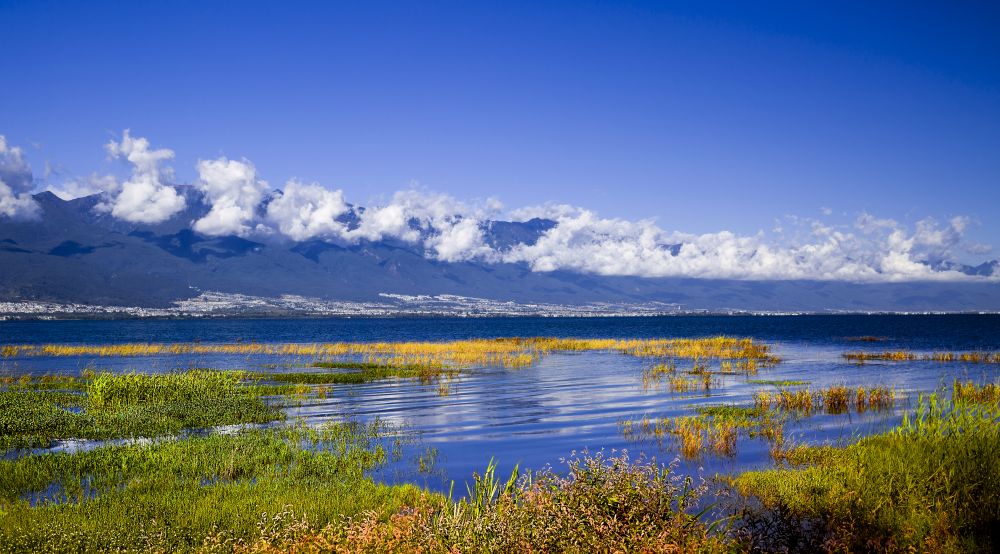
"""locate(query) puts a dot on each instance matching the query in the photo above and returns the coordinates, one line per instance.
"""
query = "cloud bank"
(868, 249)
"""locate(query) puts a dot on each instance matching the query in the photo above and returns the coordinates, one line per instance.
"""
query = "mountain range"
(75, 253)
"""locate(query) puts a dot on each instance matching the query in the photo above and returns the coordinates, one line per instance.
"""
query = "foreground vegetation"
(932, 484)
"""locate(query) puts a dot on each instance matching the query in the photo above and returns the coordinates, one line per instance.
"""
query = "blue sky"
(708, 118)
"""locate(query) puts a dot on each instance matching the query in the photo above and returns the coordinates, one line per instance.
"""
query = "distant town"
(219, 304)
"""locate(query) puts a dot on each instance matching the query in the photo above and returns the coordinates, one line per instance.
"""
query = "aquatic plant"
(835, 399)
(704, 383)
(48, 381)
(715, 429)
(987, 394)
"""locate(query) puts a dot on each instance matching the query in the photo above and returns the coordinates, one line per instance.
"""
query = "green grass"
(108, 391)
(129, 405)
(732, 412)
(352, 373)
(176, 495)
(931, 484)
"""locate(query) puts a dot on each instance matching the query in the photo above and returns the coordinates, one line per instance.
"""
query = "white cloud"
(458, 241)
(233, 190)
(145, 197)
(884, 251)
(450, 230)
(545, 211)
(16, 184)
(83, 186)
(307, 211)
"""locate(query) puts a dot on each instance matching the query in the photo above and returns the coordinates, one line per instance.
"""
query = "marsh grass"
(835, 399)
(305, 489)
(129, 405)
(968, 392)
(906, 356)
(109, 391)
(715, 429)
(702, 383)
(504, 352)
(932, 484)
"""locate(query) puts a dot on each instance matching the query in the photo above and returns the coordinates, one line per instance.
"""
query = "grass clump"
(108, 391)
(932, 484)
(30, 419)
(715, 429)
(836, 399)
(971, 393)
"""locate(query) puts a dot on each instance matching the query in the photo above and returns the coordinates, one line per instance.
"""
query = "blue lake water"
(567, 401)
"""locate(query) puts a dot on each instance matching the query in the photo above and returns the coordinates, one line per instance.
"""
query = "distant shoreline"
(19, 317)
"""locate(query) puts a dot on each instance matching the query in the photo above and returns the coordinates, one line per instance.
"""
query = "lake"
(567, 401)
